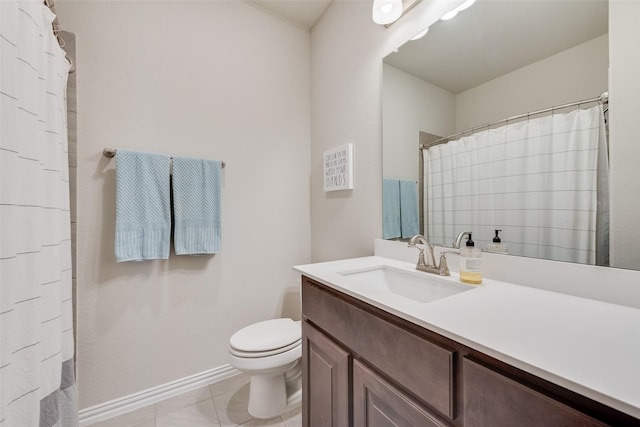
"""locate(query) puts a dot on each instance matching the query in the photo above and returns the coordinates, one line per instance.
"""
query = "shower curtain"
(543, 182)
(37, 379)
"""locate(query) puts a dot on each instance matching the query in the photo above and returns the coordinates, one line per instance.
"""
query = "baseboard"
(153, 395)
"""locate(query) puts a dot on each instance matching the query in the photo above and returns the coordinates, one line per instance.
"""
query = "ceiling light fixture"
(420, 34)
(449, 15)
(465, 5)
(452, 13)
(386, 11)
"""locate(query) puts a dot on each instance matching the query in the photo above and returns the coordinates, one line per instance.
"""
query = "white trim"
(153, 395)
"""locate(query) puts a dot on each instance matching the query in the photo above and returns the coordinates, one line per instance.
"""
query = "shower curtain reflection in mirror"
(543, 181)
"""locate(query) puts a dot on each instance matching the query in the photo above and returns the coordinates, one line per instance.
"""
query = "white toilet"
(270, 352)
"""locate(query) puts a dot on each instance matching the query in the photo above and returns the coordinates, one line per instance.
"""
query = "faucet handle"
(422, 263)
(444, 268)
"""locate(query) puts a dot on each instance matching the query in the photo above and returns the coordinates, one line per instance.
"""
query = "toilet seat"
(273, 352)
(270, 352)
(267, 338)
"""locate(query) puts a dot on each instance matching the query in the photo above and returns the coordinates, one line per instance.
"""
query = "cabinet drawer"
(494, 400)
(376, 402)
(420, 366)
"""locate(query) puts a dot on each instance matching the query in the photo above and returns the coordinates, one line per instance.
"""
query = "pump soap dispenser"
(470, 263)
(497, 247)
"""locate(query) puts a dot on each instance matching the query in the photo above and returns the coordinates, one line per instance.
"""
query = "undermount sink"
(413, 285)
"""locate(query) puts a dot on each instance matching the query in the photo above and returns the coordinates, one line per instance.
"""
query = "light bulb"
(465, 5)
(449, 15)
(386, 11)
(452, 13)
(420, 34)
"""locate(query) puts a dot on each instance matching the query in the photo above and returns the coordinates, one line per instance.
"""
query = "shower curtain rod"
(603, 99)
(111, 152)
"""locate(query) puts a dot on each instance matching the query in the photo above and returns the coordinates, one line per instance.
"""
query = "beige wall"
(624, 92)
(574, 74)
(411, 105)
(346, 106)
(219, 80)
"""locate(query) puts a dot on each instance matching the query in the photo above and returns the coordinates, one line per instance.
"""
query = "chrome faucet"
(440, 268)
(458, 241)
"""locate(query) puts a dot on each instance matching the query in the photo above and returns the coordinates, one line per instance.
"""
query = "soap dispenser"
(470, 263)
(497, 247)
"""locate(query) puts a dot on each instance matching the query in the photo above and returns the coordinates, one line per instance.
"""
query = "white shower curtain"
(37, 381)
(537, 180)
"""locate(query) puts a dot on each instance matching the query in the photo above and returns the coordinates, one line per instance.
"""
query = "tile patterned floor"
(222, 404)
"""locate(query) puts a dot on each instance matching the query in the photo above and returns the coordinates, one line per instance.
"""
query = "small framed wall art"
(338, 168)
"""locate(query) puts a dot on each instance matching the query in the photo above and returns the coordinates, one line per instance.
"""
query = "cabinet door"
(326, 380)
(494, 400)
(376, 403)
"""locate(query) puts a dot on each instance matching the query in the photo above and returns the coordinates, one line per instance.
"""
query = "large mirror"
(497, 59)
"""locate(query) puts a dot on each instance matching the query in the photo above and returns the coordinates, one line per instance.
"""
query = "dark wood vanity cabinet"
(326, 372)
(363, 366)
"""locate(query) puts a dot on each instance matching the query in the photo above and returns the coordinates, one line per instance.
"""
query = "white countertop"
(584, 345)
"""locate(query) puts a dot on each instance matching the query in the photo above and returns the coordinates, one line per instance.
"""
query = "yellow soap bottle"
(470, 263)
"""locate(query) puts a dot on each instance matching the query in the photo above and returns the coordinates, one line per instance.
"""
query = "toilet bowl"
(270, 352)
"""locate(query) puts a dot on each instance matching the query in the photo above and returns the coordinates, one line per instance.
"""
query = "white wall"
(577, 73)
(346, 106)
(219, 80)
(624, 93)
(411, 105)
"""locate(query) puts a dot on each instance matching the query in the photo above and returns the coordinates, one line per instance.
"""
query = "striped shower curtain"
(37, 381)
(543, 182)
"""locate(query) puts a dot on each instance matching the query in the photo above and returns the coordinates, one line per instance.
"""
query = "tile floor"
(221, 404)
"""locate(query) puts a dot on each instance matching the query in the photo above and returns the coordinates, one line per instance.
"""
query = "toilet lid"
(268, 335)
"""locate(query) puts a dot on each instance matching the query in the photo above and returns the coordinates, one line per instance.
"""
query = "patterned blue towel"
(197, 206)
(390, 208)
(409, 217)
(143, 215)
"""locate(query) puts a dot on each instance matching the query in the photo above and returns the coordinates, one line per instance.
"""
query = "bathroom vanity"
(379, 357)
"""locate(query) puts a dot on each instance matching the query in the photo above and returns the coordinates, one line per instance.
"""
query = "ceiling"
(495, 37)
(472, 48)
(304, 12)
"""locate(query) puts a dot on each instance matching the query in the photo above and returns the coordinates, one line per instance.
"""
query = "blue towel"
(197, 206)
(143, 212)
(409, 218)
(390, 208)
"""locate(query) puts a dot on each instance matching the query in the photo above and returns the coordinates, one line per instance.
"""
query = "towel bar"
(111, 152)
